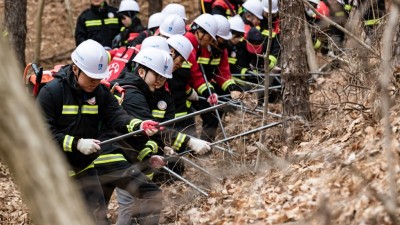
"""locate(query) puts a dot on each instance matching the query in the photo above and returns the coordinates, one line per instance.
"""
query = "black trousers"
(128, 177)
(89, 184)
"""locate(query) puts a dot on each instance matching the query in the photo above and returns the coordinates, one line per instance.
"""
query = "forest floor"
(336, 173)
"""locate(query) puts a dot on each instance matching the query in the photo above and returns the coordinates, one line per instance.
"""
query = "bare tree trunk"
(295, 98)
(156, 6)
(35, 161)
(388, 36)
(15, 24)
(114, 3)
(70, 19)
(266, 84)
(38, 32)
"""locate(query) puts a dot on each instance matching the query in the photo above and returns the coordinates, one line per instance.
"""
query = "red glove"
(213, 99)
(150, 127)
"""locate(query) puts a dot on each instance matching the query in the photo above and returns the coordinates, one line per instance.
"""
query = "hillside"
(337, 173)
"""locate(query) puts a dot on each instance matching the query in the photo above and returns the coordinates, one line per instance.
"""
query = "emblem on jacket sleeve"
(162, 105)
(110, 15)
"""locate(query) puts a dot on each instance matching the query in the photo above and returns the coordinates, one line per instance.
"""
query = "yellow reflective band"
(158, 113)
(347, 7)
(202, 88)
(243, 71)
(317, 44)
(266, 33)
(189, 91)
(122, 29)
(179, 141)
(117, 97)
(215, 62)
(227, 83)
(188, 104)
(67, 143)
(186, 65)
(272, 61)
(180, 114)
(203, 60)
(70, 109)
(143, 154)
(92, 23)
(153, 145)
(238, 81)
(150, 176)
(240, 10)
(133, 124)
(340, 14)
(90, 109)
(371, 22)
(232, 60)
(228, 12)
(72, 173)
(111, 21)
(108, 158)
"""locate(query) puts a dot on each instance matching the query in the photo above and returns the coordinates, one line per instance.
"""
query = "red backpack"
(39, 78)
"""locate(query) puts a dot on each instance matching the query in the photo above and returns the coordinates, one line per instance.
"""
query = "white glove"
(88, 146)
(310, 13)
(193, 96)
(199, 146)
(157, 161)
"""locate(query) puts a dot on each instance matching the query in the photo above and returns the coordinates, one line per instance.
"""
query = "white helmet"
(255, 7)
(173, 24)
(208, 23)
(237, 23)
(224, 28)
(91, 58)
(315, 1)
(157, 60)
(128, 5)
(155, 42)
(174, 8)
(274, 7)
(181, 44)
(155, 20)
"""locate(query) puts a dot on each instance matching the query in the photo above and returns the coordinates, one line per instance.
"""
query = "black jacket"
(140, 102)
(178, 87)
(99, 24)
(71, 114)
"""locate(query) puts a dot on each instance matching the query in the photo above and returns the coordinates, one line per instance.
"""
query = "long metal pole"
(216, 111)
(200, 168)
(184, 180)
(165, 123)
(255, 90)
(247, 133)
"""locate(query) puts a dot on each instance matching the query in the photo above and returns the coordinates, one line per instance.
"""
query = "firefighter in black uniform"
(146, 97)
(128, 12)
(99, 22)
(74, 107)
